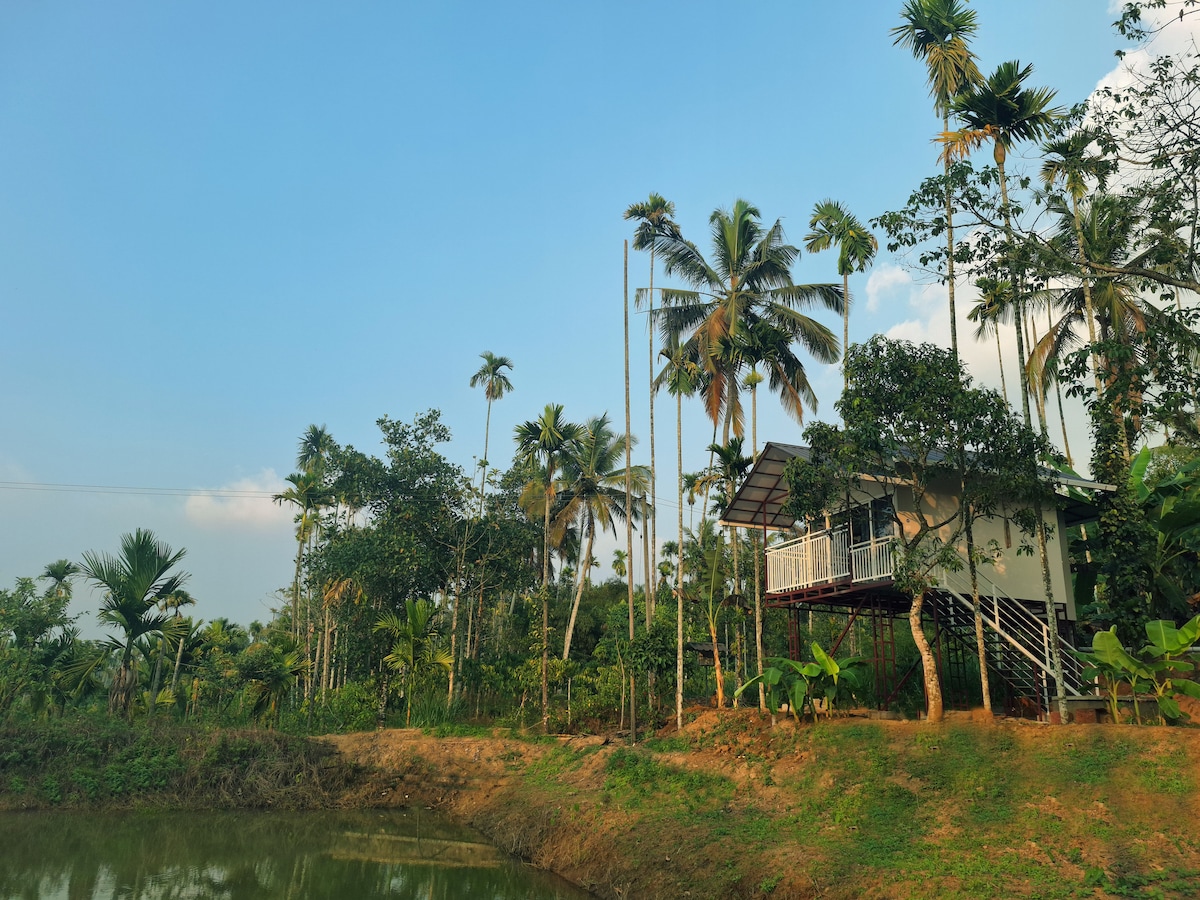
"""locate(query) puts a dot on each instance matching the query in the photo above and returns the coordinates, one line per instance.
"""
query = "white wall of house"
(1019, 575)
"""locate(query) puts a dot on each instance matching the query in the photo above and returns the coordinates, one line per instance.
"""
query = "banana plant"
(1158, 668)
(800, 684)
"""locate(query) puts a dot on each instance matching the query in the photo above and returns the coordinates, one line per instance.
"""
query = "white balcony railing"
(825, 557)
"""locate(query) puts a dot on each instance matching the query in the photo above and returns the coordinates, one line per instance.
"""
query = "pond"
(258, 856)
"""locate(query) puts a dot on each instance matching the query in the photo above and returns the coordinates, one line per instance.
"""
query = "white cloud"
(1174, 37)
(883, 284)
(244, 503)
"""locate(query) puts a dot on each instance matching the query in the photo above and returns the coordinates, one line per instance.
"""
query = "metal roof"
(759, 501)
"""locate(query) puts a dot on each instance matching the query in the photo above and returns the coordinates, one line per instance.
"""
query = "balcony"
(827, 557)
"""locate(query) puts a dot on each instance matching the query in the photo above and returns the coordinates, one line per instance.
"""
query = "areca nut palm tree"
(316, 444)
(654, 222)
(938, 32)
(308, 495)
(416, 645)
(545, 441)
(749, 279)
(59, 573)
(834, 225)
(495, 383)
(595, 495)
(134, 582)
(993, 307)
(1002, 110)
(679, 375)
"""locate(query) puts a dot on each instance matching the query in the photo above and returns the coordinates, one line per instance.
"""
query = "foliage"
(802, 684)
(1158, 668)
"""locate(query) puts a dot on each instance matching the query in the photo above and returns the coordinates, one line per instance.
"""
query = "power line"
(136, 491)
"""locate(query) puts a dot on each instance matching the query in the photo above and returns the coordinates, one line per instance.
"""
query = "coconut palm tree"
(416, 645)
(834, 225)
(134, 582)
(495, 384)
(1112, 307)
(748, 281)
(1002, 110)
(1068, 160)
(938, 32)
(545, 442)
(595, 494)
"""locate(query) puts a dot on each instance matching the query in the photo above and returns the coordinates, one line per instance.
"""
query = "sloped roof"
(759, 501)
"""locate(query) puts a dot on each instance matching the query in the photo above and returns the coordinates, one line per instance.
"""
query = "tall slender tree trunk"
(845, 344)
(950, 247)
(487, 427)
(1056, 666)
(649, 564)
(546, 603)
(1000, 360)
(980, 639)
(651, 507)
(679, 568)
(629, 500)
(325, 657)
(758, 619)
(178, 665)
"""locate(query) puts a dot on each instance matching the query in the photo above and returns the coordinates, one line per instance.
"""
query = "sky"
(222, 222)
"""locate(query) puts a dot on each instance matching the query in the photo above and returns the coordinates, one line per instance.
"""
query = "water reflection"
(257, 856)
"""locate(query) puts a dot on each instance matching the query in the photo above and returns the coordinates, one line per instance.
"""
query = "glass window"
(881, 514)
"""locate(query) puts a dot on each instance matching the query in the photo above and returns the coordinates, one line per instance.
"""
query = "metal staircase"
(1016, 641)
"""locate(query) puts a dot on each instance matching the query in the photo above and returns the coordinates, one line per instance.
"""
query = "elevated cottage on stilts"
(843, 565)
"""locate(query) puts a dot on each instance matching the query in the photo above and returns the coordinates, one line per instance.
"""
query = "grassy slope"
(852, 808)
(103, 763)
(729, 808)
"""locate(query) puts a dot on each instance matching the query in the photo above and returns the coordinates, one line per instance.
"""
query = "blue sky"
(222, 222)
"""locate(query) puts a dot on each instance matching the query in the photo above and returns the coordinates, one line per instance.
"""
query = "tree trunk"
(583, 571)
(629, 494)
(178, 663)
(1000, 359)
(648, 590)
(679, 568)
(157, 679)
(980, 641)
(933, 688)
(950, 247)
(487, 427)
(325, 663)
(717, 673)
(651, 511)
(1052, 620)
(845, 340)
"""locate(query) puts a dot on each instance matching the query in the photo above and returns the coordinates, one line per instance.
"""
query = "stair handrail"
(1037, 631)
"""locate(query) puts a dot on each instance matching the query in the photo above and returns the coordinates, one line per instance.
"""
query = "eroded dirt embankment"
(736, 808)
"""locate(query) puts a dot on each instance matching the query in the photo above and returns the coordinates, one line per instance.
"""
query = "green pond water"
(258, 856)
